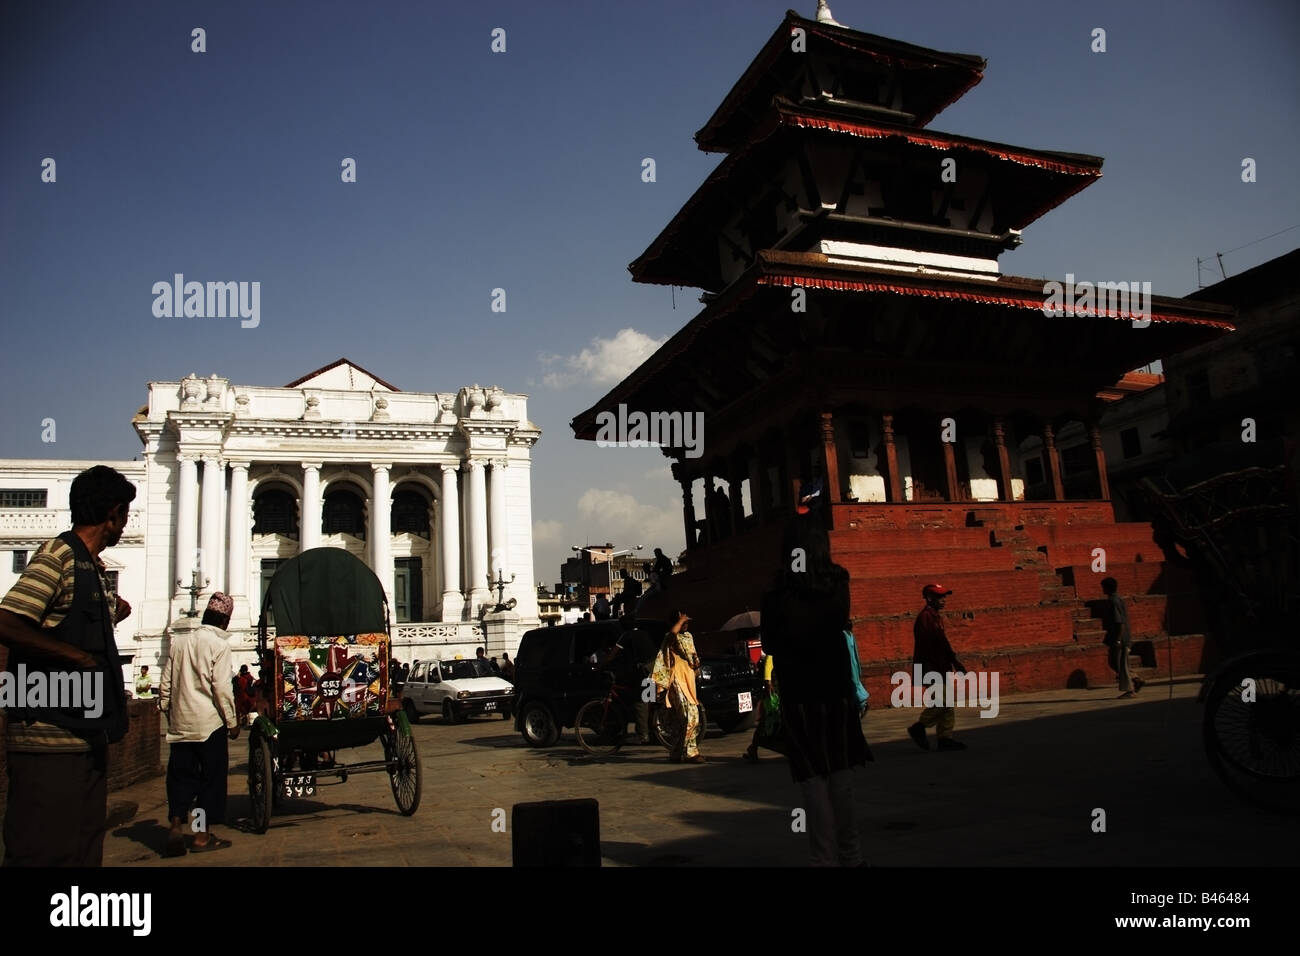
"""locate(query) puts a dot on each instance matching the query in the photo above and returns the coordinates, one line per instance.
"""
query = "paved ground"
(1024, 793)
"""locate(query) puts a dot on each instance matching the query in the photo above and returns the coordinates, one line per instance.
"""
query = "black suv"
(554, 677)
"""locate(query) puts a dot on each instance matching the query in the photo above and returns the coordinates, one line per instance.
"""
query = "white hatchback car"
(456, 690)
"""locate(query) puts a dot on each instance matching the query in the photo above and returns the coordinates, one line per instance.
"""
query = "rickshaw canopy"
(326, 591)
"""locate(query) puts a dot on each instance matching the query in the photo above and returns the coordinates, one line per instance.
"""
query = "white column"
(497, 528)
(453, 601)
(187, 494)
(478, 538)
(381, 546)
(210, 519)
(238, 539)
(309, 530)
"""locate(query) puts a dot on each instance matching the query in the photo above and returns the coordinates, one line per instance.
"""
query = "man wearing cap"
(935, 655)
(198, 698)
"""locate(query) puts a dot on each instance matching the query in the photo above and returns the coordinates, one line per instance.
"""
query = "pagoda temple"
(858, 334)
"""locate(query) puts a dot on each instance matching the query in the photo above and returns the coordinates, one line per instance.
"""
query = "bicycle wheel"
(599, 728)
(1251, 728)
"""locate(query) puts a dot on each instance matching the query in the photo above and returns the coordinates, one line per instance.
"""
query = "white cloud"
(603, 362)
(548, 532)
(620, 517)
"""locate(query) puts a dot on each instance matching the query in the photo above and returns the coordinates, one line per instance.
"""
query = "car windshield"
(461, 670)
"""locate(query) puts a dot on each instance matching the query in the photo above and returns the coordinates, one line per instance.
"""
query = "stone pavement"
(1024, 793)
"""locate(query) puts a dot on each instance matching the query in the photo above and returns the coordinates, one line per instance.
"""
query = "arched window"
(343, 512)
(275, 511)
(410, 513)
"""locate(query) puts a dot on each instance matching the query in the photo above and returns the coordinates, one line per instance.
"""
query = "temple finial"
(824, 14)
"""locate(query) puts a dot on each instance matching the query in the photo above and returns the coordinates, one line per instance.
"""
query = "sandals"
(214, 843)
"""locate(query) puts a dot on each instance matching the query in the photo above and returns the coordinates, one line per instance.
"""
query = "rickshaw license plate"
(490, 705)
(745, 702)
(299, 785)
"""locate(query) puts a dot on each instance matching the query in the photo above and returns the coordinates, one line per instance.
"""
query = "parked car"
(554, 677)
(456, 690)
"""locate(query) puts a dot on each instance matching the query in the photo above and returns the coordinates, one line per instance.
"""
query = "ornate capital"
(827, 428)
(377, 467)
(239, 465)
(474, 464)
(449, 470)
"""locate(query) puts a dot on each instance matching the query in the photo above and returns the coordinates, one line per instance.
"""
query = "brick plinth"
(1026, 581)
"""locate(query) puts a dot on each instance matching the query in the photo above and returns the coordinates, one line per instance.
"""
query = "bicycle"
(602, 722)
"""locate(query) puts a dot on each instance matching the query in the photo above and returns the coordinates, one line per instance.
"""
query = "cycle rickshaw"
(328, 670)
(1238, 531)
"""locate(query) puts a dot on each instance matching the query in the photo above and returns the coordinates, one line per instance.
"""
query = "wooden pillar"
(830, 458)
(757, 481)
(710, 511)
(950, 470)
(891, 459)
(793, 466)
(1004, 459)
(736, 476)
(688, 503)
(1053, 463)
(1103, 481)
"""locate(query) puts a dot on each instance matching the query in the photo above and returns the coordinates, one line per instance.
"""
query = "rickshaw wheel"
(261, 783)
(1254, 743)
(406, 775)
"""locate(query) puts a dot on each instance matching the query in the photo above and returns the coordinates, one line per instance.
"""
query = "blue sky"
(521, 170)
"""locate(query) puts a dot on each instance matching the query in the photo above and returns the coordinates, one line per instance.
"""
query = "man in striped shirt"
(59, 618)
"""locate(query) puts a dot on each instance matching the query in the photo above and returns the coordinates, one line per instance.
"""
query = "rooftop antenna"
(824, 14)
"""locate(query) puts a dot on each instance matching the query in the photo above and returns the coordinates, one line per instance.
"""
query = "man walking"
(198, 698)
(628, 597)
(663, 567)
(59, 617)
(1119, 639)
(935, 655)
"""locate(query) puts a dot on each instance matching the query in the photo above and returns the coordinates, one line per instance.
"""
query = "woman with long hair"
(805, 615)
(674, 677)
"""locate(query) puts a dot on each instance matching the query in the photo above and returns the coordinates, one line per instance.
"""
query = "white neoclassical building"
(431, 490)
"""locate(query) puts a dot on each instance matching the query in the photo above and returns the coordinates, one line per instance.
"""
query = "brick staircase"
(1025, 602)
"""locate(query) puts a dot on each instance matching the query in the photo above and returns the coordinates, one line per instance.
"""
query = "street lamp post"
(194, 590)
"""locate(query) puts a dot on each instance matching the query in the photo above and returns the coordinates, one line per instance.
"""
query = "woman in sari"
(674, 677)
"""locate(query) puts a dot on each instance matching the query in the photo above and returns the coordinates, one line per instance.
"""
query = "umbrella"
(741, 622)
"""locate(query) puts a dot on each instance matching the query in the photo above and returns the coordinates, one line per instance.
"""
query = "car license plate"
(299, 785)
(490, 705)
(745, 702)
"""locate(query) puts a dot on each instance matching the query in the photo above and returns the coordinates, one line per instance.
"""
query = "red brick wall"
(1026, 601)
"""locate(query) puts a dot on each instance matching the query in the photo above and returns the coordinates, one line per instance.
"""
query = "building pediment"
(343, 375)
